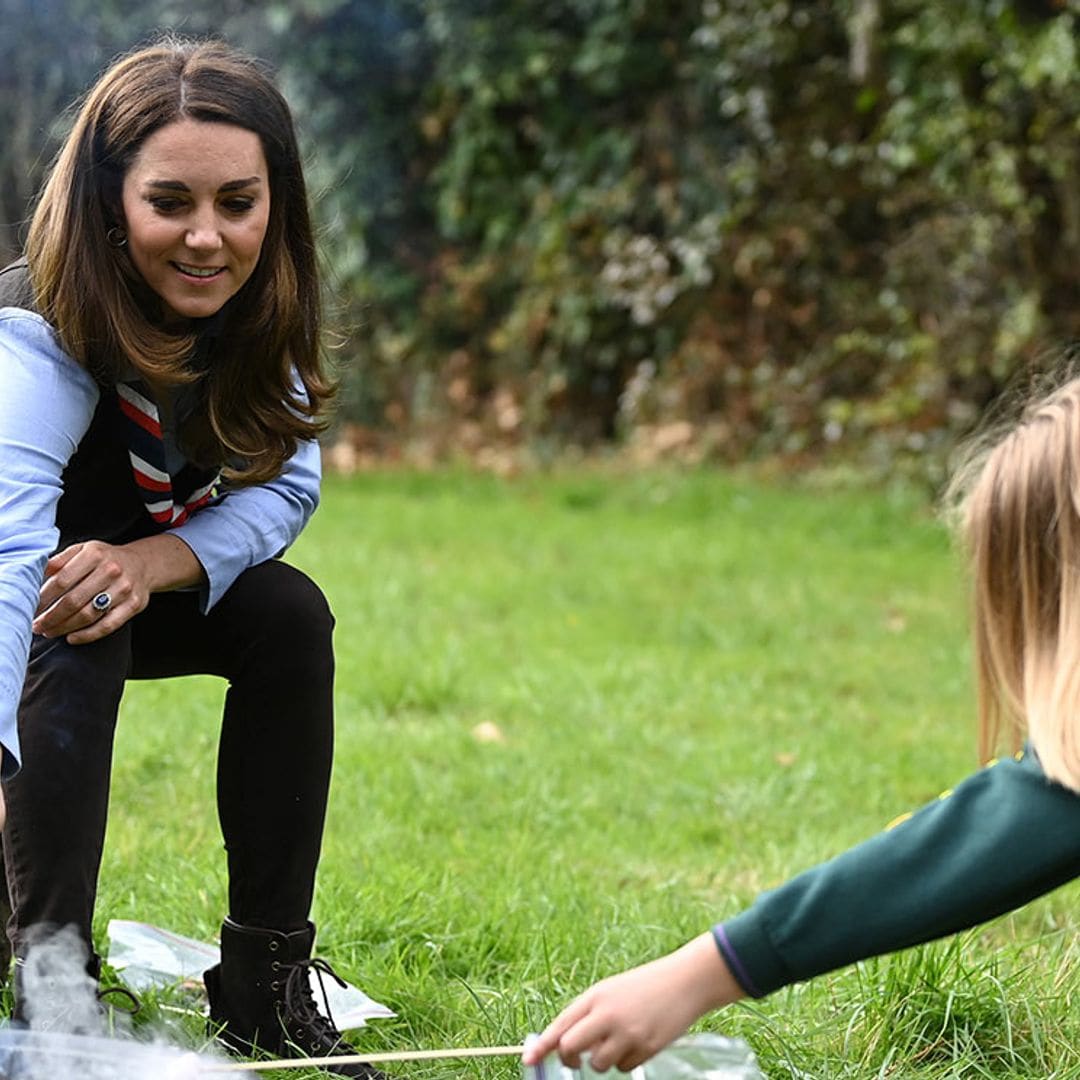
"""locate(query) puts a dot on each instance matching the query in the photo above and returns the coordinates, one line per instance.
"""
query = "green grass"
(703, 684)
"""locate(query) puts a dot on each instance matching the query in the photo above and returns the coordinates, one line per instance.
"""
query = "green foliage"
(50, 53)
(788, 225)
(799, 223)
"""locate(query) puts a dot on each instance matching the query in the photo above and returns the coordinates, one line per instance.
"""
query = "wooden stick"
(366, 1059)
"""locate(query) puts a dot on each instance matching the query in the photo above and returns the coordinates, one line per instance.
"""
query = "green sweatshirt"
(1002, 837)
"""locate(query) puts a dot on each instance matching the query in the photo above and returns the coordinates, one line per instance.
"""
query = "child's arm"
(624, 1020)
(1003, 837)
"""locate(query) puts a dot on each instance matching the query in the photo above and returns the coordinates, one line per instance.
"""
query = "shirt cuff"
(746, 947)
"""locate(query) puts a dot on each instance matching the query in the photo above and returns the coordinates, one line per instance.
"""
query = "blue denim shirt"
(46, 403)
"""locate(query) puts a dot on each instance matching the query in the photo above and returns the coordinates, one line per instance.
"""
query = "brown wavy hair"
(108, 318)
(1016, 503)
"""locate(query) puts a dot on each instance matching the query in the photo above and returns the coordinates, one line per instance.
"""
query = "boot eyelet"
(275, 985)
(273, 946)
(274, 965)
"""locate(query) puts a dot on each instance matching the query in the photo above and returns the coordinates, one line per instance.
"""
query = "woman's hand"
(127, 573)
(624, 1020)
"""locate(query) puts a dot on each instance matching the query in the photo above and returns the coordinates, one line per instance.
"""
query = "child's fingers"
(607, 1051)
(591, 1031)
(549, 1039)
(538, 1049)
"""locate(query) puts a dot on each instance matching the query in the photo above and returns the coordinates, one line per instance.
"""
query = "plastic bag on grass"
(149, 957)
(693, 1057)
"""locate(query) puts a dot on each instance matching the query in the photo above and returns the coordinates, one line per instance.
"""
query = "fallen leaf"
(487, 732)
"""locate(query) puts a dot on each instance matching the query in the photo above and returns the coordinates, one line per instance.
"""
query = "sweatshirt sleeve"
(1004, 836)
(253, 524)
(46, 404)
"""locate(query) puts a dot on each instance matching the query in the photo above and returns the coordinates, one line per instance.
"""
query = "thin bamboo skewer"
(366, 1059)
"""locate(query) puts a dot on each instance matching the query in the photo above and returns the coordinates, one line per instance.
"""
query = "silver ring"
(102, 602)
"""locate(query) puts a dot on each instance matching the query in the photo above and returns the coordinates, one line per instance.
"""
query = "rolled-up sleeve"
(253, 524)
(46, 404)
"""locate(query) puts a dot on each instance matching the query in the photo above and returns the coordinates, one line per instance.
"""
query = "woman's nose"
(203, 234)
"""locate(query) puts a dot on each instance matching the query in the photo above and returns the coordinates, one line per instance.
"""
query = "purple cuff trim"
(732, 957)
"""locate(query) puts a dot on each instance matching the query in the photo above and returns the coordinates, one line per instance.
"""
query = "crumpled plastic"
(702, 1056)
(149, 957)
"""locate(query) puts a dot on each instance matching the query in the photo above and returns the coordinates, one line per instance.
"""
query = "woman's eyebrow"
(230, 185)
(234, 185)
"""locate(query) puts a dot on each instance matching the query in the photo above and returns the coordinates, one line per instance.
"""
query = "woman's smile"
(196, 204)
(200, 273)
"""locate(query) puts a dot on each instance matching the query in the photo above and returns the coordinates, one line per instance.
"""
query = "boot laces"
(131, 1002)
(300, 1004)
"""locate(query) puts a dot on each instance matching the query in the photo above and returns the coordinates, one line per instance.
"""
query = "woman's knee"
(275, 599)
(95, 668)
(73, 688)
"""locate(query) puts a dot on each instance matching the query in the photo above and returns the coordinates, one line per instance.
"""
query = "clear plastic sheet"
(148, 957)
(694, 1057)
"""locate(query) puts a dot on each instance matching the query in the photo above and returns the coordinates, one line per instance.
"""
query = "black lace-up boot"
(261, 999)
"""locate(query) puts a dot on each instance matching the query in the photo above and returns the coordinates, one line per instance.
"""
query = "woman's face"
(196, 203)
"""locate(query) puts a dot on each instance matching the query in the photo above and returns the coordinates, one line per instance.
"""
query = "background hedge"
(712, 229)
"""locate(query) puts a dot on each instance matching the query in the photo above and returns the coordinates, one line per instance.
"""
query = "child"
(1005, 835)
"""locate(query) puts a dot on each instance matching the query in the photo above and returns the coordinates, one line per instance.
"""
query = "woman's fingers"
(54, 586)
(100, 624)
(90, 591)
(78, 605)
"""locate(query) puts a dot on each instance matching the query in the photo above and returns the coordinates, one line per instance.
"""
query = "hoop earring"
(116, 236)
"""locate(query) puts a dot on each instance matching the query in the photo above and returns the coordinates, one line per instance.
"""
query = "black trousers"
(270, 637)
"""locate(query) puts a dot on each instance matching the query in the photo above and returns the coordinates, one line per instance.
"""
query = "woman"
(1007, 834)
(163, 389)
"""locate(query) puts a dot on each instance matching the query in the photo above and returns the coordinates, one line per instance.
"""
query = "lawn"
(581, 717)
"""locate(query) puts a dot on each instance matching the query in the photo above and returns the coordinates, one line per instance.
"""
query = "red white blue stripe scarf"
(146, 449)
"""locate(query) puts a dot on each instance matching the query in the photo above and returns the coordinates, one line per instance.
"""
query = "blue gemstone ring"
(102, 602)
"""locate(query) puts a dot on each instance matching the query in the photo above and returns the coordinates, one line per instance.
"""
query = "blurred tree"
(789, 221)
(50, 52)
(775, 225)
(43, 65)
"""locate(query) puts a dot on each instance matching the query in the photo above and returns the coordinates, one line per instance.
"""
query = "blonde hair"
(1018, 512)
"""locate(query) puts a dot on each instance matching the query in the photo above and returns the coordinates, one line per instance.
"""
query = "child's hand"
(624, 1020)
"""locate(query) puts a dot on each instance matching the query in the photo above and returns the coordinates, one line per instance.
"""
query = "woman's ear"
(111, 196)
(115, 226)
(113, 207)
